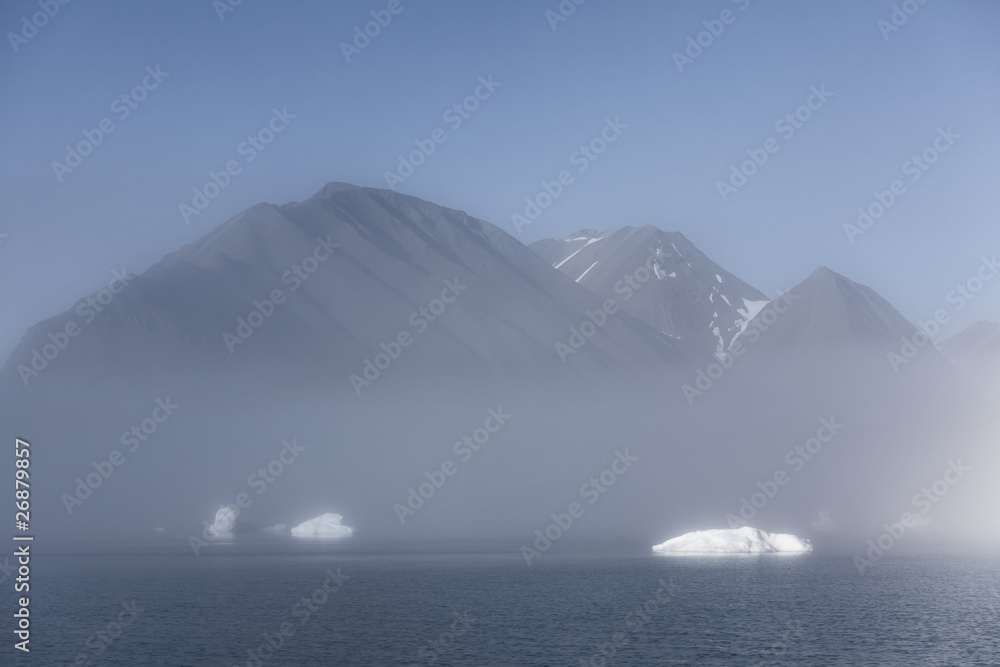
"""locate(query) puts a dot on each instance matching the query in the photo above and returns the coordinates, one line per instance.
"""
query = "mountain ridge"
(360, 262)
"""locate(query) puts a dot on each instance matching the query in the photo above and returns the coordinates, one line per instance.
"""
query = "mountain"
(831, 385)
(663, 280)
(331, 286)
(828, 311)
(976, 350)
(374, 329)
(829, 335)
(281, 333)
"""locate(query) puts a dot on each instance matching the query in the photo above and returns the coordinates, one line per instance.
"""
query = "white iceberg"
(744, 540)
(225, 522)
(324, 526)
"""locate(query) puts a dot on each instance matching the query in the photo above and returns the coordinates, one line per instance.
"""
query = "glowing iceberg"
(225, 522)
(325, 526)
(744, 540)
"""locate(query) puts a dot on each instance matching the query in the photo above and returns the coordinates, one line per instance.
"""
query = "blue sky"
(685, 130)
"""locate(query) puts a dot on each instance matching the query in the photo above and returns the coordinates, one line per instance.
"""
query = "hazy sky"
(223, 78)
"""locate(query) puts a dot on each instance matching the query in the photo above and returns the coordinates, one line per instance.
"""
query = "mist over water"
(373, 334)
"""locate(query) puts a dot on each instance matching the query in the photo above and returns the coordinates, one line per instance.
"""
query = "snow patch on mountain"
(749, 311)
(577, 252)
(662, 279)
(587, 271)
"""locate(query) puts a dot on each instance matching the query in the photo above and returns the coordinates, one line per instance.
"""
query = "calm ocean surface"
(492, 609)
